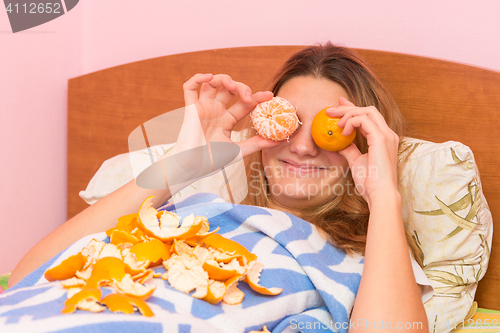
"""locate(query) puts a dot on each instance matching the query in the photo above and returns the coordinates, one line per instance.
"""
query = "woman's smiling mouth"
(298, 167)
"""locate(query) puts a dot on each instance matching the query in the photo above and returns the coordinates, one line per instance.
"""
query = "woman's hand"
(207, 120)
(375, 172)
(216, 120)
(387, 271)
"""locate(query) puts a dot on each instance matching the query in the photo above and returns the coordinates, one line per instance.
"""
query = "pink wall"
(35, 66)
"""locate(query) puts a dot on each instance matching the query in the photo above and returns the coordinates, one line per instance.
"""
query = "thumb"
(345, 102)
(350, 153)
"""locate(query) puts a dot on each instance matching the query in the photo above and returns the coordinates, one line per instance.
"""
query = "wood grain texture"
(441, 100)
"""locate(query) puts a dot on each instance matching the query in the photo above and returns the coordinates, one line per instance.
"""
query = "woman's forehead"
(311, 94)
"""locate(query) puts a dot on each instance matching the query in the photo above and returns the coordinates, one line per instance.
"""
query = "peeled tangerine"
(275, 119)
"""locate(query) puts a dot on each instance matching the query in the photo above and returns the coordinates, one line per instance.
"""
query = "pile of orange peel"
(195, 258)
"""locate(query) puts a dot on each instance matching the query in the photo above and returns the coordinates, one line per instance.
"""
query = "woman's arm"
(99, 217)
(388, 296)
(388, 291)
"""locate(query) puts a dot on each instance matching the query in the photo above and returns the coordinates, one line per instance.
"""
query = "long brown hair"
(345, 217)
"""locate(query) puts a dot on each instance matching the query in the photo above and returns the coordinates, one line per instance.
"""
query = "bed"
(441, 100)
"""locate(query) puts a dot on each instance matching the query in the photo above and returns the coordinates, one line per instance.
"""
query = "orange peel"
(166, 225)
(129, 287)
(252, 278)
(144, 276)
(229, 246)
(125, 223)
(233, 295)
(133, 266)
(73, 291)
(66, 269)
(185, 273)
(152, 250)
(85, 274)
(195, 258)
(73, 282)
(215, 292)
(205, 225)
(180, 247)
(216, 272)
(126, 304)
(224, 257)
(87, 299)
(119, 237)
(96, 250)
(105, 271)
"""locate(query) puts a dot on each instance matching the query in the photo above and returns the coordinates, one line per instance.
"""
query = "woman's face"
(299, 173)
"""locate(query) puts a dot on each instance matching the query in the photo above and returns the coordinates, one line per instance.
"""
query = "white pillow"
(448, 216)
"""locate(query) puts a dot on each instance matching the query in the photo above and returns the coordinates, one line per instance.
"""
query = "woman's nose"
(302, 143)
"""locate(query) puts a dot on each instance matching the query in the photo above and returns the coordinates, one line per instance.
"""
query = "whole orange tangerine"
(327, 134)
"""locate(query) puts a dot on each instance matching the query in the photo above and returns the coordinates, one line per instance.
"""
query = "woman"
(368, 221)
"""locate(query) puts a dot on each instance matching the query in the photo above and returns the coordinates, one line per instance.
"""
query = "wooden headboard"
(441, 100)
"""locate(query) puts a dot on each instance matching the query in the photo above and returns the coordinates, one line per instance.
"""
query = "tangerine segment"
(67, 268)
(327, 134)
(275, 119)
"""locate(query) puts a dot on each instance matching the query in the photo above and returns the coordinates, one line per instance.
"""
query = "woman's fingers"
(239, 110)
(225, 95)
(209, 89)
(347, 110)
(363, 122)
(350, 153)
(220, 87)
(223, 88)
(190, 87)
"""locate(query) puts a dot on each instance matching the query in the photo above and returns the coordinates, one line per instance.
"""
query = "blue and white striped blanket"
(319, 283)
